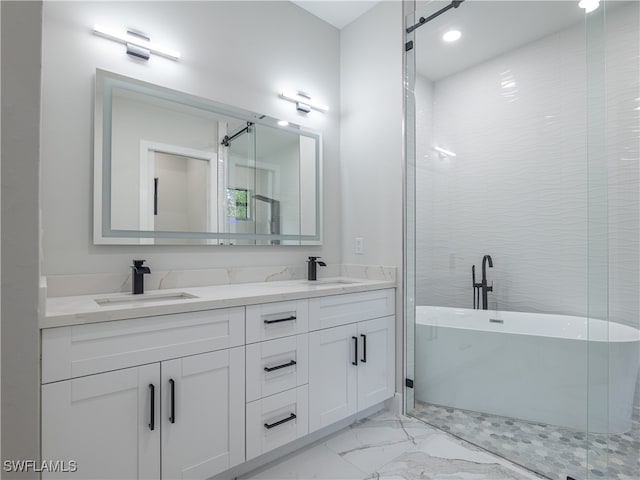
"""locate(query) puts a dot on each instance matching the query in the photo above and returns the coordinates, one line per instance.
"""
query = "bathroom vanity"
(190, 383)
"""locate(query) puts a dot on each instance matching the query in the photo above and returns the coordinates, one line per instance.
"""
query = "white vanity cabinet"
(191, 395)
(352, 362)
(175, 418)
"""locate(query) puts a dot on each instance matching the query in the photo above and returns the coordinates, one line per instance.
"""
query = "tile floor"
(389, 447)
(553, 451)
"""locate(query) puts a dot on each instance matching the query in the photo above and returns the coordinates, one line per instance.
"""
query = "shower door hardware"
(226, 141)
(152, 409)
(423, 20)
(408, 383)
(269, 426)
(278, 367)
(172, 417)
(355, 356)
(408, 46)
(287, 319)
(364, 348)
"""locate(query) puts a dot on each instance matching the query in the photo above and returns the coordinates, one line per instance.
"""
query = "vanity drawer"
(78, 350)
(277, 365)
(335, 310)
(275, 320)
(277, 420)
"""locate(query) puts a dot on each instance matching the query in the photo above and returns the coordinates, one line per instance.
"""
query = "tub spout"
(483, 286)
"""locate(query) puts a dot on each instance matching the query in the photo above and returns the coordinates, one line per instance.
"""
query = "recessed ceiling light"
(589, 5)
(452, 36)
(283, 123)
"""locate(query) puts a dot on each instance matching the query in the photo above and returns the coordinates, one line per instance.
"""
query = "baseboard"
(278, 454)
(394, 404)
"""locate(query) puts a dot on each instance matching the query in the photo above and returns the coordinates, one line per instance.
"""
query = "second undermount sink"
(143, 298)
(329, 281)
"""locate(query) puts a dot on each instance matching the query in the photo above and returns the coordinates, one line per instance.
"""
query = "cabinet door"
(376, 363)
(332, 375)
(203, 414)
(108, 423)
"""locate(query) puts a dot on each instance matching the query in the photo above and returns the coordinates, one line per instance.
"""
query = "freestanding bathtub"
(552, 369)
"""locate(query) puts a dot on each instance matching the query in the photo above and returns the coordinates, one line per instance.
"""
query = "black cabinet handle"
(278, 367)
(364, 348)
(172, 384)
(355, 346)
(269, 426)
(287, 319)
(152, 410)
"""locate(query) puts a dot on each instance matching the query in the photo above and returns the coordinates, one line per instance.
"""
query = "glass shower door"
(522, 144)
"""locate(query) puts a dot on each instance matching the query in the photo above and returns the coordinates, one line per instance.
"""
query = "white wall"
(21, 47)
(518, 187)
(239, 53)
(371, 135)
(371, 90)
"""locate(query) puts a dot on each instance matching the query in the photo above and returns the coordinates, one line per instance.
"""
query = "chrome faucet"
(312, 270)
(483, 285)
(137, 276)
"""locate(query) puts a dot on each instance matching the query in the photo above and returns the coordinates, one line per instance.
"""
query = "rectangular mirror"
(172, 168)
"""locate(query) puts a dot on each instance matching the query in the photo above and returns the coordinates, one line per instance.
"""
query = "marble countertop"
(77, 310)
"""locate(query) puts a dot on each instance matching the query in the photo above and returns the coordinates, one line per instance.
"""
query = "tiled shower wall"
(517, 189)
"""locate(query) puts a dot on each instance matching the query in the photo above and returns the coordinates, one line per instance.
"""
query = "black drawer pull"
(269, 426)
(278, 367)
(172, 418)
(152, 410)
(288, 319)
(355, 355)
(364, 348)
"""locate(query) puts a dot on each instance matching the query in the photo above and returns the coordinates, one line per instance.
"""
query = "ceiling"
(489, 28)
(338, 13)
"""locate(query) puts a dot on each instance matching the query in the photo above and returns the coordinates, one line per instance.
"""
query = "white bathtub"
(529, 366)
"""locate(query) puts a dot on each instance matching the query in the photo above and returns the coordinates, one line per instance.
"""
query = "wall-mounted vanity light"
(138, 45)
(303, 102)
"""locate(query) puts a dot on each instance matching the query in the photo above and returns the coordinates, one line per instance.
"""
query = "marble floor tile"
(390, 447)
(315, 462)
(373, 442)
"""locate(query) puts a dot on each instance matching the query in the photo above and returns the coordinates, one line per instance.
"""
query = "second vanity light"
(303, 102)
(137, 44)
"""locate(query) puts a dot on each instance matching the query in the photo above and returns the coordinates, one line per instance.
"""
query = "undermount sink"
(142, 298)
(329, 281)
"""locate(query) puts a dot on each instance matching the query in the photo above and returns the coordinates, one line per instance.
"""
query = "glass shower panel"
(409, 219)
(597, 258)
(522, 143)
